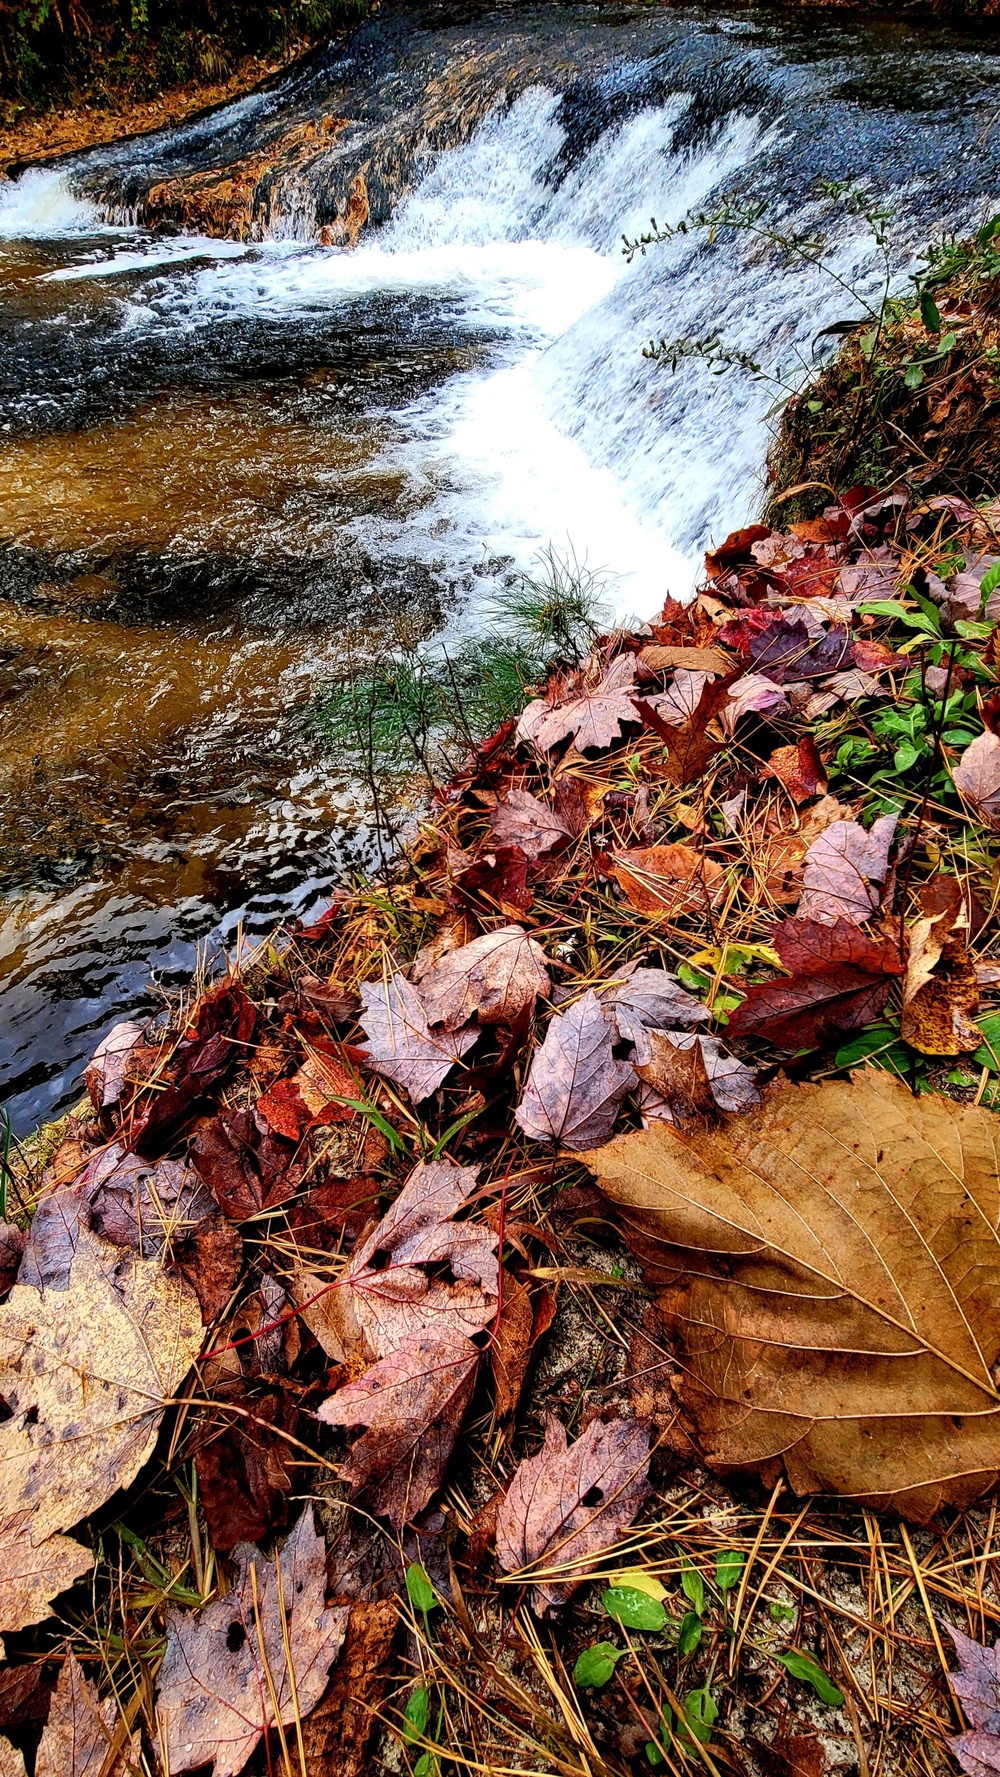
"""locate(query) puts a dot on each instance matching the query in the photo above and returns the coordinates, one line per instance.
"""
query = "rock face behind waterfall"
(333, 145)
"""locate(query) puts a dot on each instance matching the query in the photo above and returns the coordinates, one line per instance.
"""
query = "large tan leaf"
(831, 1268)
(31, 1577)
(86, 1372)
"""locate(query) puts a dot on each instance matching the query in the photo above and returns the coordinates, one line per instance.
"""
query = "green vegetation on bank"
(109, 51)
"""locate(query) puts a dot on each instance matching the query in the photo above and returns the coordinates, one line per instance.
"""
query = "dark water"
(226, 465)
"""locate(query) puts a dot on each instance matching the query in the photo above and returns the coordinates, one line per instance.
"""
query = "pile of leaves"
(427, 1346)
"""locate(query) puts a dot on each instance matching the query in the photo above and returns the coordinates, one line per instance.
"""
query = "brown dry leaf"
(941, 989)
(977, 775)
(575, 1085)
(31, 1577)
(690, 745)
(831, 1269)
(311, 1099)
(839, 980)
(12, 1244)
(568, 1504)
(670, 879)
(698, 660)
(976, 1684)
(106, 1355)
(225, 1678)
(142, 1204)
(210, 1259)
(643, 1000)
(412, 1403)
(337, 1736)
(104, 1076)
(78, 1734)
(799, 768)
(401, 1044)
(397, 1287)
(455, 930)
(595, 718)
(521, 819)
(778, 856)
(691, 1074)
(525, 1314)
(844, 870)
(497, 975)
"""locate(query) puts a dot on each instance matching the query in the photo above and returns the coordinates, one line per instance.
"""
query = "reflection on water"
(225, 467)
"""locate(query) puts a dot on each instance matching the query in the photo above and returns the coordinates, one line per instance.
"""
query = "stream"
(236, 450)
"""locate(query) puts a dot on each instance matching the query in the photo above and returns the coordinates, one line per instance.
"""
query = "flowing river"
(236, 450)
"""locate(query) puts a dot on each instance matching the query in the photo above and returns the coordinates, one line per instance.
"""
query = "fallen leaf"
(225, 1678)
(940, 990)
(840, 980)
(401, 1044)
(419, 1273)
(672, 879)
(223, 1024)
(642, 1000)
(575, 1085)
(977, 775)
(455, 930)
(799, 768)
(687, 1074)
(785, 650)
(246, 1167)
(697, 660)
(496, 976)
(210, 1259)
(754, 694)
(526, 1312)
(106, 1355)
(570, 1503)
(844, 869)
(310, 1099)
(12, 1244)
(521, 819)
(412, 1403)
(595, 718)
(25, 1696)
(104, 1076)
(332, 1213)
(141, 1204)
(78, 1734)
(495, 881)
(338, 1735)
(830, 1267)
(690, 746)
(976, 1684)
(245, 1465)
(30, 1577)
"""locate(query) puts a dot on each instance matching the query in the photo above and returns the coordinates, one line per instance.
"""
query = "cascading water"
(226, 461)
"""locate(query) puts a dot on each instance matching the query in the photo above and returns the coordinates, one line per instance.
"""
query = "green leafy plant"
(595, 1666)
(807, 1668)
(634, 1609)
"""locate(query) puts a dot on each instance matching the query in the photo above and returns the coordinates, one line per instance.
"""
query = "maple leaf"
(521, 819)
(595, 718)
(30, 1577)
(497, 975)
(253, 1660)
(941, 990)
(641, 1000)
(412, 1402)
(570, 1503)
(401, 1044)
(78, 1734)
(310, 1099)
(106, 1355)
(977, 775)
(104, 1076)
(754, 694)
(976, 1684)
(830, 1267)
(840, 980)
(686, 1074)
(209, 1257)
(842, 868)
(785, 649)
(141, 1204)
(496, 880)
(670, 879)
(418, 1273)
(799, 768)
(246, 1167)
(690, 746)
(575, 1086)
(223, 1024)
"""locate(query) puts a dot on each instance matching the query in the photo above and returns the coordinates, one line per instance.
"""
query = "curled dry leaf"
(941, 989)
(31, 1577)
(12, 1244)
(839, 980)
(78, 1734)
(844, 869)
(575, 1085)
(521, 819)
(222, 1026)
(595, 718)
(412, 1402)
(571, 1502)
(830, 1267)
(106, 1355)
(977, 775)
(257, 1658)
(976, 1684)
(799, 768)
(338, 1735)
(642, 1000)
(496, 976)
(311, 1099)
(697, 660)
(495, 881)
(686, 1074)
(245, 1165)
(104, 1075)
(419, 1274)
(401, 1044)
(672, 879)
